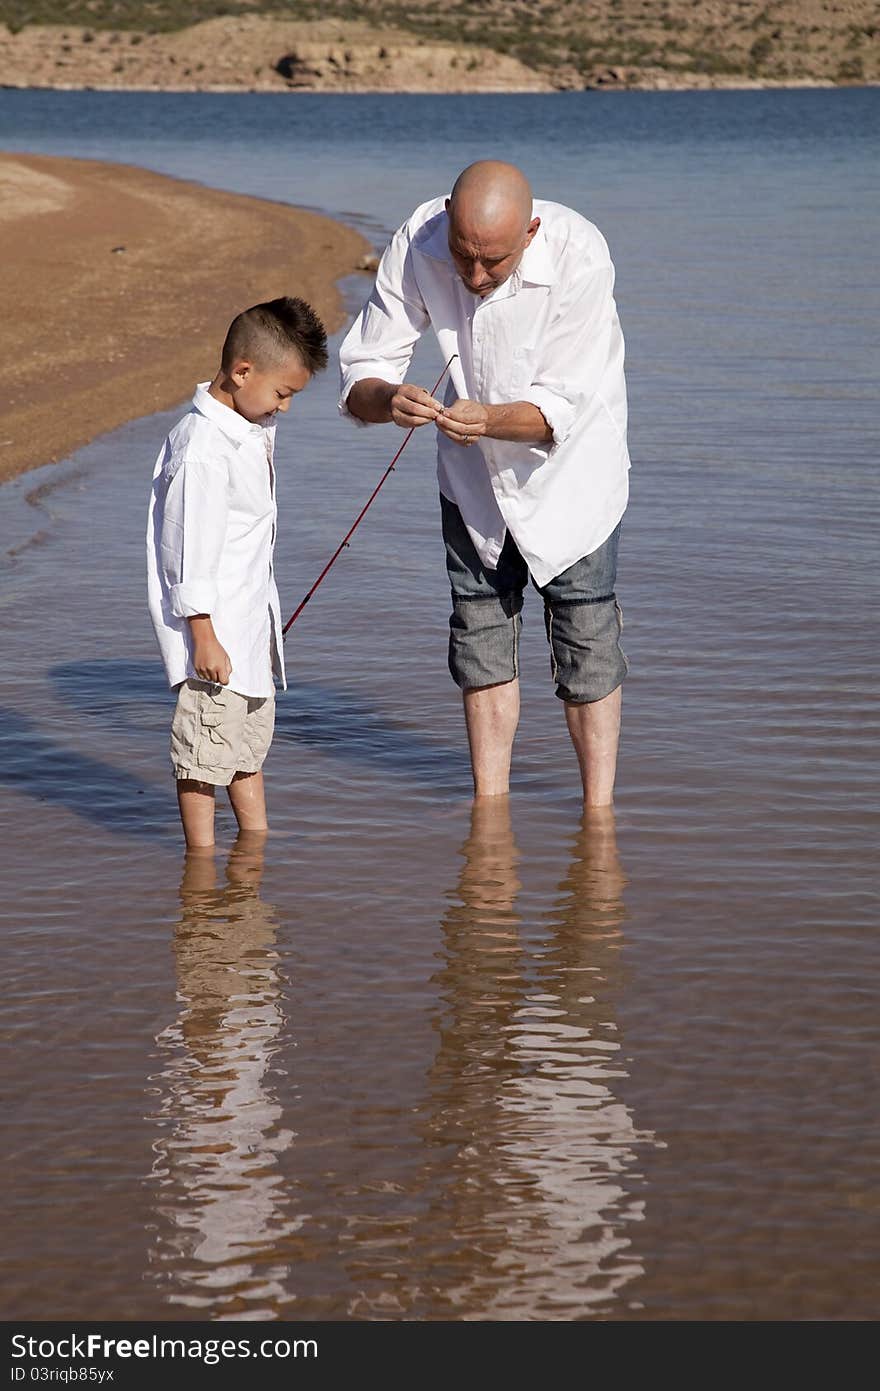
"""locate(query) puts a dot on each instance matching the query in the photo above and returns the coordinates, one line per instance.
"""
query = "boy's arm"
(193, 538)
(210, 658)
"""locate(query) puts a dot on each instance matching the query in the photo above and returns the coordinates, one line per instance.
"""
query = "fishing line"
(345, 540)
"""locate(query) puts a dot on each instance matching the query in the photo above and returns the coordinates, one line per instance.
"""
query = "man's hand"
(412, 406)
(210, 659)
(519, 421)
(463, 421)
(378, 402)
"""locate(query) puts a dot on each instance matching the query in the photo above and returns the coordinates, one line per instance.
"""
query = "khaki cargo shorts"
(217, 733)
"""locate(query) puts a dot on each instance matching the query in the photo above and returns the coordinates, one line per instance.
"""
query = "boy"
(210, 539)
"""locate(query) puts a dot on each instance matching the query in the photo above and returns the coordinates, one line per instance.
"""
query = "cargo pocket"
(217, 730)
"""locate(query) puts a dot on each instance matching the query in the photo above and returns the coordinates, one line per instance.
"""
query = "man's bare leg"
(491, 714)
(196, 803)
(595, 730)
(248, 798)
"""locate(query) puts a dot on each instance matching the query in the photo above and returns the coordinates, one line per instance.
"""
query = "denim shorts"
(582, 617)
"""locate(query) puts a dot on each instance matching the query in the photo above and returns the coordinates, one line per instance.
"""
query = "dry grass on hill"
(475, 45)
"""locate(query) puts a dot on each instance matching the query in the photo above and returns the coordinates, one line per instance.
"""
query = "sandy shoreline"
(652, 84)
(119, 286)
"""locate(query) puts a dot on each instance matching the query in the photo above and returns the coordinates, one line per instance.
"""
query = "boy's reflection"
(221, 1193)
(532, 1147)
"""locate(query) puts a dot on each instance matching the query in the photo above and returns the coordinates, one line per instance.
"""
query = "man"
(533, 464)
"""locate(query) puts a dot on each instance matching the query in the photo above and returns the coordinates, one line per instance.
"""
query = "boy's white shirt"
(210, 541)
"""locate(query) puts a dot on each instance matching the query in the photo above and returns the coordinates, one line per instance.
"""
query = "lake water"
(410, 1064)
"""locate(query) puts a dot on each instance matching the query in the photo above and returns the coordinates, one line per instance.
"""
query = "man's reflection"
(480, 977)
(531, 1147)
(221, 1192)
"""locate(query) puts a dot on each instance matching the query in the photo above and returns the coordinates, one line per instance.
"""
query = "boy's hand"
(210, 659)
(212, 663)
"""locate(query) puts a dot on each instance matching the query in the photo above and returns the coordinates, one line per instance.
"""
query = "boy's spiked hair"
(267, 333)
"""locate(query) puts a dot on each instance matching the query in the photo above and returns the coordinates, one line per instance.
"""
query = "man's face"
(486, 259)
(263, 391)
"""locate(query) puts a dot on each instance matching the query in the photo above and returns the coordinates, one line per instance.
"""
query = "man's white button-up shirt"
(549, 335)
(210, 541)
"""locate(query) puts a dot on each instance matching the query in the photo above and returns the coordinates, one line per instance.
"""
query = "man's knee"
(587, 661)
(484, 640)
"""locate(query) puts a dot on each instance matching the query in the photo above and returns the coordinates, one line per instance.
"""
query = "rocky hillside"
(474, 45)
(256, 53)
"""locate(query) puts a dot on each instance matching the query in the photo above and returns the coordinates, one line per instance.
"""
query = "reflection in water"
(522, 1198)
(537, 1152)
(221, 1201)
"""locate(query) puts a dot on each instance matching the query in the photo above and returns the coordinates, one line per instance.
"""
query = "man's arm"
(377, 402)
(378, 347)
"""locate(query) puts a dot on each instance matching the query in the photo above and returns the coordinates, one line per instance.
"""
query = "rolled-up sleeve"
(574, 351)
(193, 536)
(380, 342)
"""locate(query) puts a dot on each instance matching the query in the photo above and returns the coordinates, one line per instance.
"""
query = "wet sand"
(120, 285)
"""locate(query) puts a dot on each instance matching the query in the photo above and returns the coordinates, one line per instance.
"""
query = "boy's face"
(262, 391)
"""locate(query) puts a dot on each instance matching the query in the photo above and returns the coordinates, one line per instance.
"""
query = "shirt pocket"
(522, 369)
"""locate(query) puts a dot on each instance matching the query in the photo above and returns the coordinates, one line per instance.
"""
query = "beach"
(121, 283)
(408, 1063)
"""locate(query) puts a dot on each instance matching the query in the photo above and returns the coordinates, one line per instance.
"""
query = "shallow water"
(408, 1064)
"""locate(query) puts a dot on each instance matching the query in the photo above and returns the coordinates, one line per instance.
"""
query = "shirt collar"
(233, 425)
(535, 268)
(433, 239)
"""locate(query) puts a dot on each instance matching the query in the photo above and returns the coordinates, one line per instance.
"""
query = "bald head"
(490, 223)
(488, 195)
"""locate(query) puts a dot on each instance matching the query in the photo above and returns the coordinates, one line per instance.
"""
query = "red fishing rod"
(345, 540)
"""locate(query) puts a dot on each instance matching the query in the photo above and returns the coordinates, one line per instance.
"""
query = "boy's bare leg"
(199, 872)
(491, 714)
(595, 730)
(248, 798)
(196, 802)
